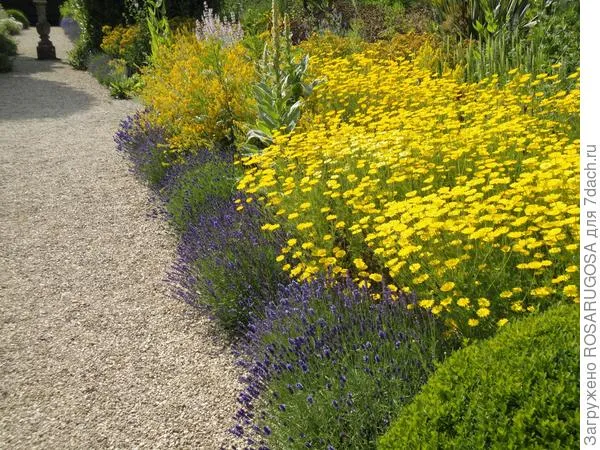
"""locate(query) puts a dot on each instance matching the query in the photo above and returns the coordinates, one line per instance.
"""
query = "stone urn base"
(45, 50)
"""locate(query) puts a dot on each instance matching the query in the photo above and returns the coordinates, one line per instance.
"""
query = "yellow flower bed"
(466, 194)
(199, 91)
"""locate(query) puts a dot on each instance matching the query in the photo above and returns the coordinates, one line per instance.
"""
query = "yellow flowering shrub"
(199, 91)
(466, 194)
(116, 39)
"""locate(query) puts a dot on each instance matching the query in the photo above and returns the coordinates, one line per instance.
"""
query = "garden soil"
(94, 353)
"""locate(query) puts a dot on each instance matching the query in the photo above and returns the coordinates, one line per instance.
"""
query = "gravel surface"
(93, 351)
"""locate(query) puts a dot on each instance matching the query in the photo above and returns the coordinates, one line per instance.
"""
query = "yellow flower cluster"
(115, 41)
(466, 194)
(199, 91)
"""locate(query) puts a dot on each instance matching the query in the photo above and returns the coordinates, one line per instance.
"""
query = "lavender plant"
(71, 28)
(328, 368)
(142, 143)
(228, 31)
(205, 182)
(227, 264)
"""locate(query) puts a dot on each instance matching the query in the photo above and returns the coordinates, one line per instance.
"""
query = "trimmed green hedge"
(519, 389)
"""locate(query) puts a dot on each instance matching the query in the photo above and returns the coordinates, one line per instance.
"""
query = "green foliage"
(5, 60)
(194, 192)
(158, 26)
(478, 18)
(518, 389)
(493, 37)
(281, 88)
(8, 46)
(90, 15)
(279, 101)
(80, 55)
(556, 33)
(254, 15)
(113, 74)
(10, 26)
(369, 19)
(496, 55)
(126, 87)
(68, 8)
(20, 16)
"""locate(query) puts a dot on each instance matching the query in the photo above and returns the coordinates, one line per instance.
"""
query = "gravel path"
(93, 352)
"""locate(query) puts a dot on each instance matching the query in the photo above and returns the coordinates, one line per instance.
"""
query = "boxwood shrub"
(519, 389)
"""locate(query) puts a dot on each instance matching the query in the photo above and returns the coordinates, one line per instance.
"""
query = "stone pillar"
(45, 48)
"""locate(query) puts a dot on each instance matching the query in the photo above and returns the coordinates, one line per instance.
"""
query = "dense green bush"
(370, 19)
(517, 390)
(18, 15)
(10, 26)
(8, 46)
(91, 15)
(5, 62)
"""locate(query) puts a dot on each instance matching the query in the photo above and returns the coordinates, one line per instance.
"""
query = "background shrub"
(530, 35)
(19, 16)
(5, 62)
(129, 43)
(8, 46)
(518, 389)
(10, 26)
(328, 368)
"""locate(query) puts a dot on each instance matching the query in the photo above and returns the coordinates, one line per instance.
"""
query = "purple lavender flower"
(327, 331)
(142, 143)
(71, 28)
(217, 265)
(227, 30)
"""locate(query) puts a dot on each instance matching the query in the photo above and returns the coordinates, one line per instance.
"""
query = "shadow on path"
(27, 65)
(27, 97)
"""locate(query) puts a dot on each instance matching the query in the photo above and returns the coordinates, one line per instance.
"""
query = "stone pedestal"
(45, 48)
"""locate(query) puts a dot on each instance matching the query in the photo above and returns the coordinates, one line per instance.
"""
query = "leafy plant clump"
(518, 389)
(328, 368)
(488, 38)
(8, 24)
